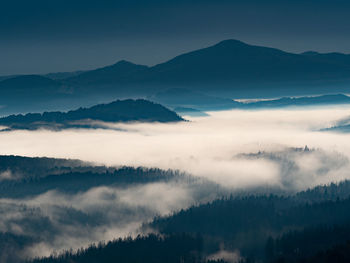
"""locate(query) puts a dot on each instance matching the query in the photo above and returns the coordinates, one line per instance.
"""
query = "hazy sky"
(41, 36)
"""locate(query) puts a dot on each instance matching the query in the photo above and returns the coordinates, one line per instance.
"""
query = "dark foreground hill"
(309, 226)
(297, 228)
(117, 111)
(152, 249)
(105, 191)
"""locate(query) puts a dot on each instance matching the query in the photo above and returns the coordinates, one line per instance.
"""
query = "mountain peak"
(231, 43)
(124, 63)
(108, 74)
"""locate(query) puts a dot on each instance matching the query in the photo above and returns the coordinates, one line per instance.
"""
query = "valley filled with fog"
(216, 147)
(279, 151)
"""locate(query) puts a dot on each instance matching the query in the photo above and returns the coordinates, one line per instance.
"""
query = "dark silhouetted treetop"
(150, 249)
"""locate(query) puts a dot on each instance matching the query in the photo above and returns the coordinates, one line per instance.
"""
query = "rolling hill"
(117, 111)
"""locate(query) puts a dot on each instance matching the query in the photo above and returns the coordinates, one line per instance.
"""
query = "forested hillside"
(117, 111)
(254, 228)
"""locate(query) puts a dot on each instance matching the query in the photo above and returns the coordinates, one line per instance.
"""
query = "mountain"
(230, 69)
(236, 61)
(117, 73)
(184, 98)
(7, 77)
(26, 92)
(68, 89)
(334, 57)
(27, 85)
(181, 97)
(117, 111)
(331, 99)
(238, 69)
(63, 75)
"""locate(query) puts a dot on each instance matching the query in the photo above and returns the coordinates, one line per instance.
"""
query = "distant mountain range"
(187, 99)
(340, 126)
(179, 97)
(93, 117)
(190, 112)
(230, 69)
(331, 99)
(27, 86)
(121, 72)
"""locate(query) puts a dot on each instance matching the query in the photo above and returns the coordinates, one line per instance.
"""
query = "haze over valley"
(280, 151)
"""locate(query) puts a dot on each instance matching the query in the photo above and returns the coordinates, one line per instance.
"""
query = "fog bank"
(207, 146)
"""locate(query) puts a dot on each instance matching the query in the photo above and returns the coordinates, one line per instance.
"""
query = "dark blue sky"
(40, 36)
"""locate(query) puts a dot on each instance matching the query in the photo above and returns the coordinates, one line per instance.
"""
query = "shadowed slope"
(117, 111)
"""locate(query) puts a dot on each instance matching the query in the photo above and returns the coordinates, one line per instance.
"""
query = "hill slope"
(29, 85)
(116, 73)
(117, 111)
(237, 61)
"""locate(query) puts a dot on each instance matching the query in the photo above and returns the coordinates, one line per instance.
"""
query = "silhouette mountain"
(333, 57)
(230, 68)
(231, 60)
(117, 111)
(21, 93)
(27, 85)
(228, 60)
(331, 99)
(116, 73)
(176, 97)
(63, 75)
(184, 98)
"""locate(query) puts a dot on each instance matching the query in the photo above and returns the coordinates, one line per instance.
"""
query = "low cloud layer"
(238, 150)
(206, 147)
(57, 221)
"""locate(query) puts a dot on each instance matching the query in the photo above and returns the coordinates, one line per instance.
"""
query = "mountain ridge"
(230, 68)
(236, 68)
(116, 111)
